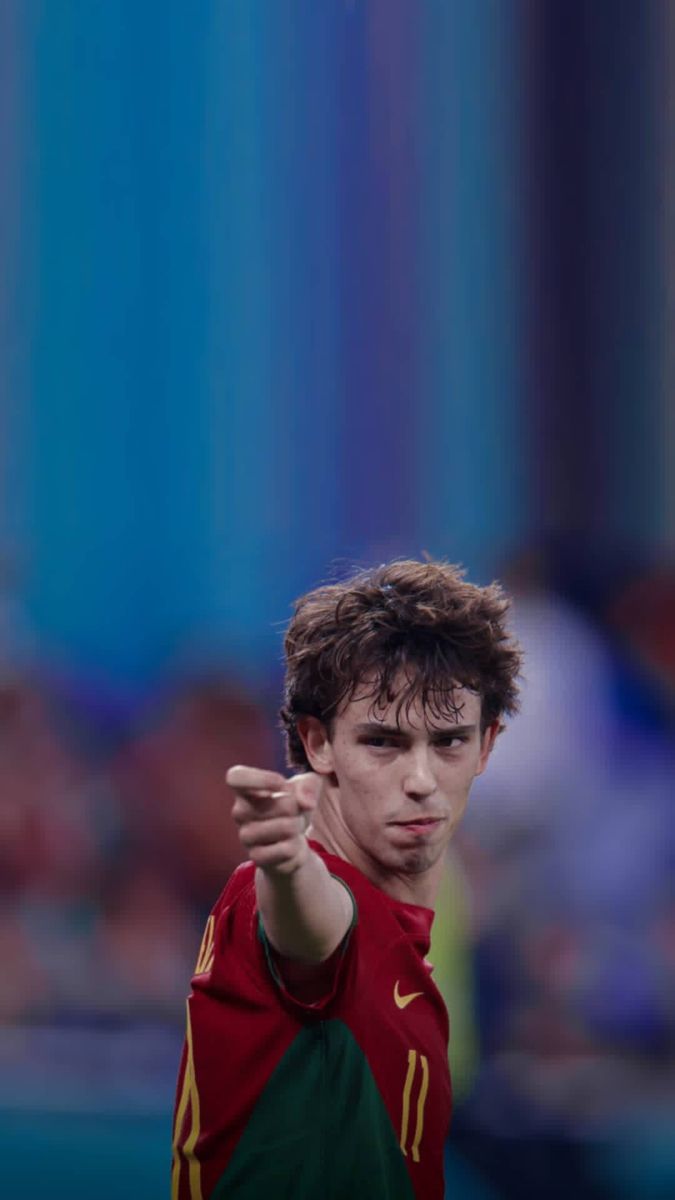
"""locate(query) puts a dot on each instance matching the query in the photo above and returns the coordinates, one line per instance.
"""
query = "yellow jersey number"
(408, 1102)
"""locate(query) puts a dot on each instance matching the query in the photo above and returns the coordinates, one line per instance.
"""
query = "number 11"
(421, 1101)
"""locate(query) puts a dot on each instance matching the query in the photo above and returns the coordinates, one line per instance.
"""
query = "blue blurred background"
(289, 287)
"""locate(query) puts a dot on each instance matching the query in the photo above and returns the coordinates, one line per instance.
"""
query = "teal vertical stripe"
(13, 290)
(242, 470)
(309, 378)
(170, 443)
(86, 342)
(273, 366)
(472, 500)
(118, 438)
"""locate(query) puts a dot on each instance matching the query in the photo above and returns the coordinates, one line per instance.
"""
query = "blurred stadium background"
(289, 287)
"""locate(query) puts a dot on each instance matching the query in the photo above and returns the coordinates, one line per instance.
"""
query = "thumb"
(307, 789)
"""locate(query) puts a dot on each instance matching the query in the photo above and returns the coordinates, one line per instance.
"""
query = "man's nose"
(419, 778)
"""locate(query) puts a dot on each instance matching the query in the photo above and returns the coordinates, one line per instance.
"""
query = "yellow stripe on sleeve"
(189, 1095)
(194, 1166)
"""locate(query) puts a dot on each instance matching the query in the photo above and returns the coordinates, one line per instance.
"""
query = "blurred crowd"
(115, 841)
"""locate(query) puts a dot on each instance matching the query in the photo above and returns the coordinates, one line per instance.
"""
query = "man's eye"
(451, 743)
(379, 743)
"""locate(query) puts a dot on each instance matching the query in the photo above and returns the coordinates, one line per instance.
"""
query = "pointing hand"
(272, 813)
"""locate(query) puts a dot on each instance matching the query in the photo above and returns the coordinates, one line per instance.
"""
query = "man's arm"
(305, 911)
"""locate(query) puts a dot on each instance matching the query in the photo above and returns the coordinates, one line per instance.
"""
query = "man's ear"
(318, 749)
(488, 740)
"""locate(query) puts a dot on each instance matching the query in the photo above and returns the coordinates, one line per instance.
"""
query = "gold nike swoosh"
(402, 1001)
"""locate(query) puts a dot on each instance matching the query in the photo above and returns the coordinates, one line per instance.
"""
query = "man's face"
(404, 784)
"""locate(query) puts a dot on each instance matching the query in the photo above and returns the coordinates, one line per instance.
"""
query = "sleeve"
(305, 987)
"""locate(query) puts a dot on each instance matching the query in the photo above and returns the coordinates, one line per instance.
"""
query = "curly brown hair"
(417, 620)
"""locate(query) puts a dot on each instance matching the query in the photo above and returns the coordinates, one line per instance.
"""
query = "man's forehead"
(455, 706)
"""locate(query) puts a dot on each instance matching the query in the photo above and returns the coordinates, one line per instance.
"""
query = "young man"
(315, 1065)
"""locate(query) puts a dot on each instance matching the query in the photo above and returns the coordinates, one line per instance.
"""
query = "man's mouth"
(420, 825)
(419, 821)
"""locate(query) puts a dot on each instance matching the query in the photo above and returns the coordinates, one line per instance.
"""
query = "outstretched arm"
(305, 911)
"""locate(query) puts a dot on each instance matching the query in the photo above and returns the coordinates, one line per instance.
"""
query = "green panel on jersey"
(319, 1129)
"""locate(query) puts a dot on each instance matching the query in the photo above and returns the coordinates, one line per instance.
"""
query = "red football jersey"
(341, 1097)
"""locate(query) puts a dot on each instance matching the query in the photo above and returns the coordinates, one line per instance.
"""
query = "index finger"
(255, 782)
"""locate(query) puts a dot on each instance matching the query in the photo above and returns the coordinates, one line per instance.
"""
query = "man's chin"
(413, 860)
(416, 862)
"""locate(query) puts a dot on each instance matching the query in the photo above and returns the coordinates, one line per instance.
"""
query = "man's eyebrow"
(374, 727)
(452, 730)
